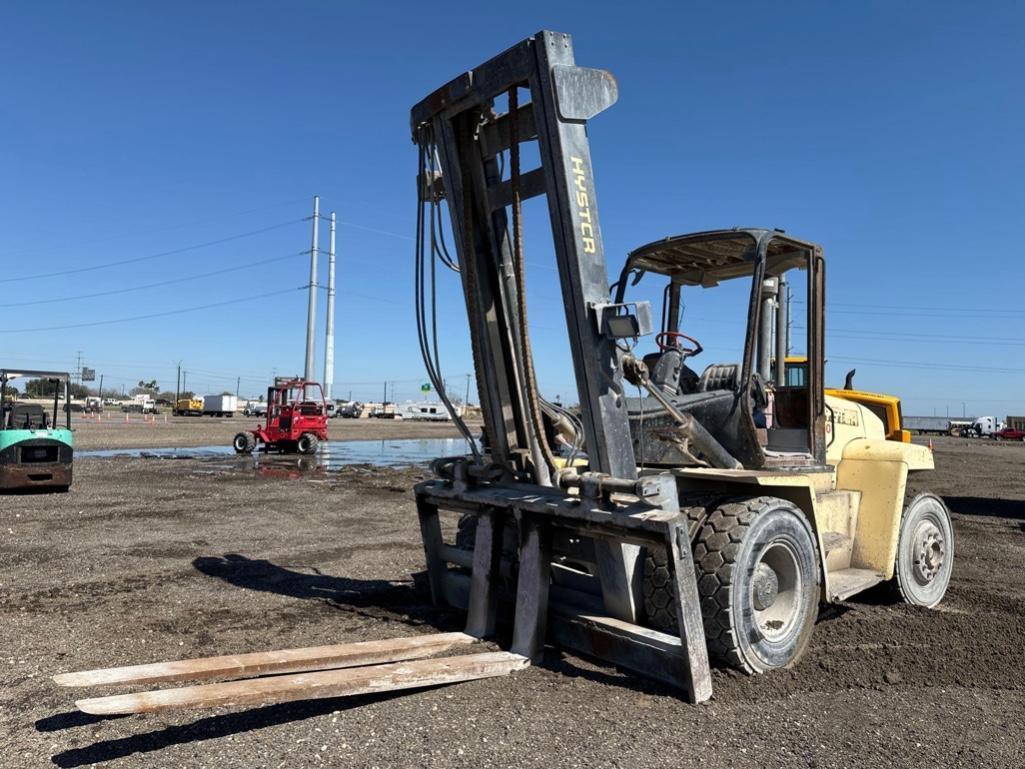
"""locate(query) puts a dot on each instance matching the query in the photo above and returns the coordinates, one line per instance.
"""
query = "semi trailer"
(937, 425)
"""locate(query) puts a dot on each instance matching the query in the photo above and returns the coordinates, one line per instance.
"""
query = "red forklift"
(296, 420)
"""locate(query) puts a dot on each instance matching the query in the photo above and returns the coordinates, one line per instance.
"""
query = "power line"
(151, 315)
(902, 307)
(926, 365)
(938, 338)
(374, 229)
(178, 225)
(954, 398)
(159, 284)
(900, 311)
(136, 259)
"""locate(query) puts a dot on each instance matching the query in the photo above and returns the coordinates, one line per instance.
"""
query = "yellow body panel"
(882, 486)
(887, 407)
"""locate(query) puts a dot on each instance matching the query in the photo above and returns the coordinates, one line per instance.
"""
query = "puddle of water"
(331, 456)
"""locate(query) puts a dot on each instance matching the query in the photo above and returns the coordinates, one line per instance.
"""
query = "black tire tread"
(314, 443)
(714, 546)
(714, 559)
(659, 596)
(249, 441)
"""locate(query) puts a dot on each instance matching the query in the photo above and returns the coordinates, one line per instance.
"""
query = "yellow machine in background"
(189, 407)
(886, 407)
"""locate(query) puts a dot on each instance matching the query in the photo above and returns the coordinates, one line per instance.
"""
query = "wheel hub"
(776, 590)
(929, 552)
(764, 587)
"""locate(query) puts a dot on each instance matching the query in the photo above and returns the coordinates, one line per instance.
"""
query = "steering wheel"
(670, 340)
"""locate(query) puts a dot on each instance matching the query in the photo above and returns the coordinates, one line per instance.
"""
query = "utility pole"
(385, 393)
(78, 368)
(238, 385)
(790, 302)
(177, 387)
(184, 373)
(466, 400)
(782, 310)
(311, 311)
(329, 342)
(101, 390)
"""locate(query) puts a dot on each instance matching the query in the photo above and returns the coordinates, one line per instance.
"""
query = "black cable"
(431, 356)
(438, 245)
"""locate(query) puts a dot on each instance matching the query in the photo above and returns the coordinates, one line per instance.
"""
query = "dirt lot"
(114, 430)
(151, 559)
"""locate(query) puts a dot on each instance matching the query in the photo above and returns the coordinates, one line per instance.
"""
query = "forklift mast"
(470, 156)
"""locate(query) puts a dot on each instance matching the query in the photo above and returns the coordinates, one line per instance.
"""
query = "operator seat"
(719, 376)
(725, 376)
(27, 416)
(667, 370)
(664, 369)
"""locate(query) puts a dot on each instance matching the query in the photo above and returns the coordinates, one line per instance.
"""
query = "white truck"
(426, 411)
(986, 426)
(255, 409)
(220, 405)
(140, 404)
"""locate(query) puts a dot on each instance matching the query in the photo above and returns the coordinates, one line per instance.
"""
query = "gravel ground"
(150, 559)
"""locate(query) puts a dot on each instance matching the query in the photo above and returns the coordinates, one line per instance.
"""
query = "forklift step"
(844, 583)
(281, 661)
(371, 679)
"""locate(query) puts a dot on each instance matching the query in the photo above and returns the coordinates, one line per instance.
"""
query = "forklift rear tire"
(925, 551)
(758, 578)
(244, 443)
(307, 443)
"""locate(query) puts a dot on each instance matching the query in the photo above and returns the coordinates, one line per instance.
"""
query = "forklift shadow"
(210, 727)
(988, 507)
(33, 490)
(376, 598)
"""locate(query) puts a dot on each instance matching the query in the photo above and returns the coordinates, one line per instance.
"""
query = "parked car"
(352, 410)
(1009, 434)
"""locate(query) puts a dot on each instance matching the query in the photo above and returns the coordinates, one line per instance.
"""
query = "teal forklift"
(34, 452)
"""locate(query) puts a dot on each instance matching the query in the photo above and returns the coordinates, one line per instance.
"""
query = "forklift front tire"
(307, 443)
(758, 579)
(244, 443)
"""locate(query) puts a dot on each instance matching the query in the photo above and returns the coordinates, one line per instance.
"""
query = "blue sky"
(889, 132)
